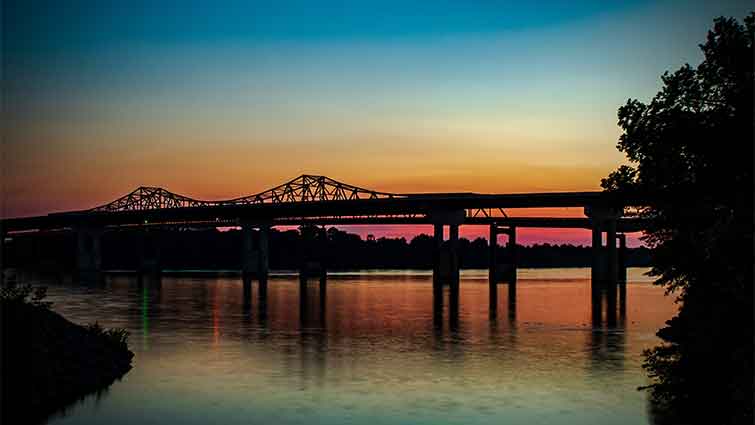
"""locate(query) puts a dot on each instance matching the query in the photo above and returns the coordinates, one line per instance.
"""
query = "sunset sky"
(222, 99)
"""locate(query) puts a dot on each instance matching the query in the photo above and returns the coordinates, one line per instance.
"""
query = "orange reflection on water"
(374, 348)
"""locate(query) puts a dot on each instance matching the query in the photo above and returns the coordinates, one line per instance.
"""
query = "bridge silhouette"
(320, 200)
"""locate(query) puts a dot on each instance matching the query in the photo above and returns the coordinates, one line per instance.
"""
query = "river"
(372, 353)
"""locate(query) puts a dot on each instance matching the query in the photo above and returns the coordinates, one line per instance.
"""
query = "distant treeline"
(213, 249)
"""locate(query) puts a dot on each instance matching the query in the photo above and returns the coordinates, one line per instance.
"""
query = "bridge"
(319, 200)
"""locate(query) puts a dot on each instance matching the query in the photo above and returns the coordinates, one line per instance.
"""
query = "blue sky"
(221, 99)
(86, 24)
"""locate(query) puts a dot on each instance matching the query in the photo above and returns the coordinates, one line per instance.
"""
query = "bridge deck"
(320, 200)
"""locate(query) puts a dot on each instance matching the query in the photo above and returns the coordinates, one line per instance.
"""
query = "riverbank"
(49, 362)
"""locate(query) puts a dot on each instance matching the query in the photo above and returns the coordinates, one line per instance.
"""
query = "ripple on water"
(374, 355)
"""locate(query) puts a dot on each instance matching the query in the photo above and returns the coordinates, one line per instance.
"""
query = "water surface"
(373, 354)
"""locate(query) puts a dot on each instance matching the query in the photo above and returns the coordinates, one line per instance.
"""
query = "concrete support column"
(314, 265)
(511, 247)
(622, 258)
(262, 261)
(453, 258)
(254, 260)
(445, 261)
(505, 271)
(453, 245)
(149, 253)
(262, 251)
(613, 305)
(249, 258)
(437, 281)
(611, 254)
(322, 242)
(492, 272)
(313, 259)
(254, 256)
(604, 264)
(492, 247)
(88, 249)
(447, 258)
(596, 272)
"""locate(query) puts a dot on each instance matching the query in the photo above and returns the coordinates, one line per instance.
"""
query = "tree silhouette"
(691, 150)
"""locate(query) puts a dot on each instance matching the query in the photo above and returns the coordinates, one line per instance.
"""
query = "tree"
(690, 152)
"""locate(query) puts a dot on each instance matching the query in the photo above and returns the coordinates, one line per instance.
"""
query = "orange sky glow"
(91, 112)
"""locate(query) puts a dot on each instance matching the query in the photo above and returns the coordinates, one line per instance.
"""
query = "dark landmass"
(210, 249)
(49, 362)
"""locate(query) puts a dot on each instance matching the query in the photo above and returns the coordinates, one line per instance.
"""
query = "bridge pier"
(501, 271)
(437, 281)
(304, 296)
(609, 306)
(453, 270)
(313, 262)
(446, 260)
(511, 248)
(596, 271)
(492, 271)
(88, 251)
(149, 253)
(622, 256)
(313, 265)
(611, 254)
(446, 263)
(254, 258)
(263, 261)
(605, 260)
(498, 271)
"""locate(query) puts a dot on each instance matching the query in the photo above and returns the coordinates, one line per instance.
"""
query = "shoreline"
(50, 362)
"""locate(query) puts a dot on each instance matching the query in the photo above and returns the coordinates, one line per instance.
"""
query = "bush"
(116, 336)
(20, 294)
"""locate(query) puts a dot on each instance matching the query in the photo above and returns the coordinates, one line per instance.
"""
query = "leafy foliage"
(13, 292)
(691, 151)
(116, 336)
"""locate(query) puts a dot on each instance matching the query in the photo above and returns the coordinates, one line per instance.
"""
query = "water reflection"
(493, 300)
(312, 303)
(150, 288)
(368, 347)
(607, 342)
(248, 299)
